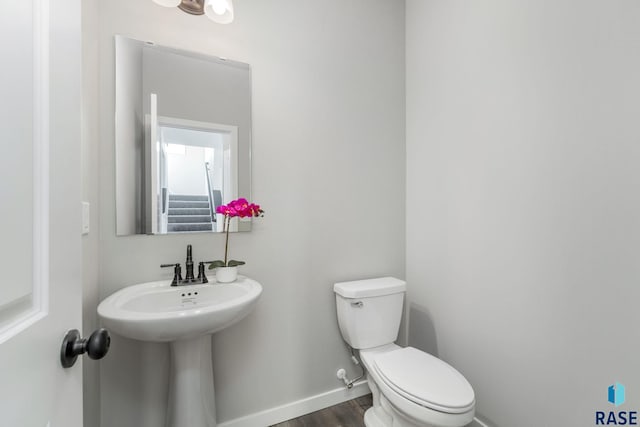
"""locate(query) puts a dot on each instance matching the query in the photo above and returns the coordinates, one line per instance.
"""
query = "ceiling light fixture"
(220, 11)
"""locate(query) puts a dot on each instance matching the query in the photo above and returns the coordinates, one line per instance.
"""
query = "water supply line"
(342, 375)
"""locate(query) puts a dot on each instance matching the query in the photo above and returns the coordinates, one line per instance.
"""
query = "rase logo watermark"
(616, 395)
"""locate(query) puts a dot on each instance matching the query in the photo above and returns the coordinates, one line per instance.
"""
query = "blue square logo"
(616, 394)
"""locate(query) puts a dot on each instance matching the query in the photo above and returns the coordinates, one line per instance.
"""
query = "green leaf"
(234, 263)
(216, 263)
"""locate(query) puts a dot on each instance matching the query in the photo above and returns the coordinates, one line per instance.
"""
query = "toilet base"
(383, 414)
(372, 418)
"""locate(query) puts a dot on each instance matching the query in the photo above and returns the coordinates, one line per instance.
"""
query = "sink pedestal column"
(191, 393)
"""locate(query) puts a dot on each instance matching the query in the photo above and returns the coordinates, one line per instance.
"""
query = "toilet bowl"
(410, 388)
(418, 389)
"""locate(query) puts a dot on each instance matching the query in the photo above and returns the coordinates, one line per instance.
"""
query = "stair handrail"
(212, 206)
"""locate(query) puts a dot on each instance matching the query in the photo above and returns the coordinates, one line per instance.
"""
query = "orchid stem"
(227, 225)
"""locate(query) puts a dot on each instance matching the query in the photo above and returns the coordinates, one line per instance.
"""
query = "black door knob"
(74, 345)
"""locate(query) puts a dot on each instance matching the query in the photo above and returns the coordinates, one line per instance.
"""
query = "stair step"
(177, 228)
(189, 211)
(188, 204)
(188, 197)
(174, 219)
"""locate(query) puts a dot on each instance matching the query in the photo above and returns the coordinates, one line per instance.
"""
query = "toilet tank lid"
(370, 287)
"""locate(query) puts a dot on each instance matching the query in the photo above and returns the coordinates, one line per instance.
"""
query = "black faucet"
(189, 277)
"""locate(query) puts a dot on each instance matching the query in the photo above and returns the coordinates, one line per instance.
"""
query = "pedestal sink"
(184, 316)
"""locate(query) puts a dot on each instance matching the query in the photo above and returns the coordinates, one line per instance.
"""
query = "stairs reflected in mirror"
(189, 213)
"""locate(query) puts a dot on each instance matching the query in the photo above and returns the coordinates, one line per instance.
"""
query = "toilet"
(410, 388)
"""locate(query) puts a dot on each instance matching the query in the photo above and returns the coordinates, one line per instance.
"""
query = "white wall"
(328, 168)
(186, 171)
(523, 207)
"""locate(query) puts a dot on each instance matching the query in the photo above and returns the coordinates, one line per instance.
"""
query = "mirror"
(182, 139)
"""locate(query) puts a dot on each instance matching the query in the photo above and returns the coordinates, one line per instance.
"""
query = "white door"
(40, 215)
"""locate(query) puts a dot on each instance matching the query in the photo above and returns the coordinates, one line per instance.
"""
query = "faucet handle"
(177, 273)
(202, 278)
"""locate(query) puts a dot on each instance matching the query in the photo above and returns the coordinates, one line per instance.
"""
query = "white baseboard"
(477, 423)
(301, 407)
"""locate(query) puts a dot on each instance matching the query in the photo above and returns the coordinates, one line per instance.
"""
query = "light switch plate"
(85, 217)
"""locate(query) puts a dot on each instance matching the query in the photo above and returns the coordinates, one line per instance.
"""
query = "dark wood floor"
(347, 414)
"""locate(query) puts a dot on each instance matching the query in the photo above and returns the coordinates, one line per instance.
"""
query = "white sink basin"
(156, 311)
(185, 316)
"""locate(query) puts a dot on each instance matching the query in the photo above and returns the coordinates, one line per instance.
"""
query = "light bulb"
(219, 7)
(168, 3)
(220, 11)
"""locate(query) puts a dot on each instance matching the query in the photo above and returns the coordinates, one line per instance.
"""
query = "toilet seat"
(424, 380)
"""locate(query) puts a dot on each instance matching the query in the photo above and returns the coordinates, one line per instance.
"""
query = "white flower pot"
(226, 274)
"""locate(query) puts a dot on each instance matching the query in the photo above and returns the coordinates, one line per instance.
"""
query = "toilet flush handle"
(357, 304)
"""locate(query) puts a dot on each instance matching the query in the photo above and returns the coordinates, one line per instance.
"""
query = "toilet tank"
(370, 311)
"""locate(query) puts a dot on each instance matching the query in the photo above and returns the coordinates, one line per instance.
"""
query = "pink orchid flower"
(235, 208)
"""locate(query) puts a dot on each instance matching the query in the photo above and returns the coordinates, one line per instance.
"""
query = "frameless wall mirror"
(183, 139)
